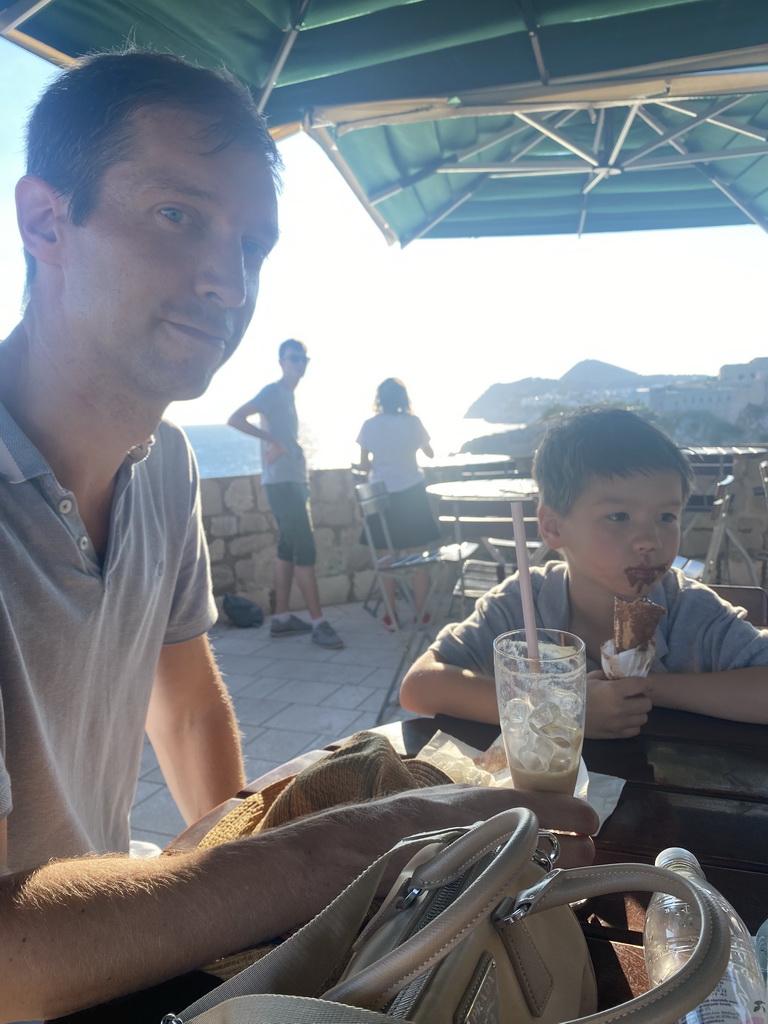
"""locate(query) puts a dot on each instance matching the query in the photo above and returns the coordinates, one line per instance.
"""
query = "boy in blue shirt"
(611, 492)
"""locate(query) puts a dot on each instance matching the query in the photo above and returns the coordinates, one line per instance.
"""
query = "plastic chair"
(441, 562)
(754, 600)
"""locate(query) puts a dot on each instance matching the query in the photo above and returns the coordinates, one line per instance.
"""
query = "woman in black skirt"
(389, 442)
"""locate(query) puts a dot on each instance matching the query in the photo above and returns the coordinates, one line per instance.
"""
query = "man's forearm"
(431, 687)
(740, 695)
(193, 729)
(107, 926)
(201, 760)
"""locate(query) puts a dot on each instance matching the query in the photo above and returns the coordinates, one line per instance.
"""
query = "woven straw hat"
(364, 768)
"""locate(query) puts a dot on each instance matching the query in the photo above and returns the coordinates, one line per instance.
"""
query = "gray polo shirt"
(79, 641)
(277, 406)
(699, 633)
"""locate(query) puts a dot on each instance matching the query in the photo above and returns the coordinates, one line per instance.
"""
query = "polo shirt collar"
(21, 461)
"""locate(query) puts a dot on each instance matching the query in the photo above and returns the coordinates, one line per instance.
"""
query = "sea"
(223, 451)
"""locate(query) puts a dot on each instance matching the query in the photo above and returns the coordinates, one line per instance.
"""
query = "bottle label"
(729, 1003)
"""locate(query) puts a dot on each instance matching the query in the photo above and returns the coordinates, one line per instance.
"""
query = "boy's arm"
(431, 686)
(739, 694)
(616, 709)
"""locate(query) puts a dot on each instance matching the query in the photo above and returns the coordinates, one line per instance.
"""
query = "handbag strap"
(263, 1008)
(302, 964)
(690, 984)
(380, 982)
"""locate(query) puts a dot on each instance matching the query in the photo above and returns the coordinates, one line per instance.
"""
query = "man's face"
(294, 364)
(160, 283)
(623, 533)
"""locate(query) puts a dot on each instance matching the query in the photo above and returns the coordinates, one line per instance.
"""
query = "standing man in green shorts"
(284, 476)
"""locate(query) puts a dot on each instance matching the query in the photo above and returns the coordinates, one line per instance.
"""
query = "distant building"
(736, 386)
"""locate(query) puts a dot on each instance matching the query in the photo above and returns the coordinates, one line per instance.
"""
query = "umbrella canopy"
(456, 118)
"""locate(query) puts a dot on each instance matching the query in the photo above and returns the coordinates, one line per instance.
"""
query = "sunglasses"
(294, 357)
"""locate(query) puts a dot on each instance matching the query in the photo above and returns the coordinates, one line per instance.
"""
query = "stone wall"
(242, 538)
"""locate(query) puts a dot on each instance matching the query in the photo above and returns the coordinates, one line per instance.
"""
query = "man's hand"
(616, 708)
(441, 807)
(275, 450)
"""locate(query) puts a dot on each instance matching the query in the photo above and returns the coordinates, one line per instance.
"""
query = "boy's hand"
(616, 708)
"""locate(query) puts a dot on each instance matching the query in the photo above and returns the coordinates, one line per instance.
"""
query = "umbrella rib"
(445, 212)
(538, 138)
(689, 157)
(531, 23)
(447, 166)
(596, 141)
(20, 12)
(670, 136)
(603, 173)
(283, 52)
(557, 136)
(656, 125)
(719, 122)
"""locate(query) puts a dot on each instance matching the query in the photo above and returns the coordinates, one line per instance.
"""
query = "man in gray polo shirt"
(146, 214)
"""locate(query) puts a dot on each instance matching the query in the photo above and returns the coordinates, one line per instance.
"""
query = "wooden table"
(692, 781)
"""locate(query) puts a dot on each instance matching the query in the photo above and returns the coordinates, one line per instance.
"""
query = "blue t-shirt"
(277, 407)
(699, 633)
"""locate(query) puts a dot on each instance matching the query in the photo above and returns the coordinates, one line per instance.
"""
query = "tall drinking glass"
(541, 707)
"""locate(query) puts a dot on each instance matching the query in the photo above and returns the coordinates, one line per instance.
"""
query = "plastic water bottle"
(670, 936)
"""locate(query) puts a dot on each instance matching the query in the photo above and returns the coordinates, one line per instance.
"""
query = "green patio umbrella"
(459, 118)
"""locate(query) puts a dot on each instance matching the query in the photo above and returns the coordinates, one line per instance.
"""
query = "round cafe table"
(507, 489)
(480, 508)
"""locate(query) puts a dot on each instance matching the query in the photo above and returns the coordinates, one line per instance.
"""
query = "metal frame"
(544, 113)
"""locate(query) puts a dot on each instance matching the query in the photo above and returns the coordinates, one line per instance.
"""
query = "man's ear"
(549, 527)
(40, 211)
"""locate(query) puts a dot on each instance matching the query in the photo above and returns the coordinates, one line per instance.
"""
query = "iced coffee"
(542, 702)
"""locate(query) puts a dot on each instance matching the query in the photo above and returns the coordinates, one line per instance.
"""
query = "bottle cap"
(676, 858)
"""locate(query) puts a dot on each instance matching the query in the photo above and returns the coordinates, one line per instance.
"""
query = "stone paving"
(290, 696)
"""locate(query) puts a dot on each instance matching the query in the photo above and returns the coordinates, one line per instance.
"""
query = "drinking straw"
(524, 578)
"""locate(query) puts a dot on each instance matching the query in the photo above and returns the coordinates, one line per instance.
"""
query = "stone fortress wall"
(242, 538)
(242, 535)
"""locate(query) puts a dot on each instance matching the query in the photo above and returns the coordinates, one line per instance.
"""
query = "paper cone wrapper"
(636, 662)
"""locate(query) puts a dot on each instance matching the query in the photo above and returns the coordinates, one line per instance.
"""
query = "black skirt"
(409, 518)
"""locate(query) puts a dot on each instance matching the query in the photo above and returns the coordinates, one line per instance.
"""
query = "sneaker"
(326, 636)
(387, 623)
(293, 626)
(425, 620)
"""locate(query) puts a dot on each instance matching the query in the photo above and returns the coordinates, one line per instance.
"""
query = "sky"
(449, 317)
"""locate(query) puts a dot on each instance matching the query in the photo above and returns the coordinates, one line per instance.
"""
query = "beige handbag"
(477, 930)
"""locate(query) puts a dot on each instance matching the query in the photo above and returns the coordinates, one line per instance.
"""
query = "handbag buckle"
(409, 897)
(545, 859)
(505, 915)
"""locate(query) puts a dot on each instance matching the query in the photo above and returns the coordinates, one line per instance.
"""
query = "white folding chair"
(443, 563)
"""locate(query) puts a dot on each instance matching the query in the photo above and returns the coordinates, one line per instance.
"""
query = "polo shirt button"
(65, 506)
(83, 542)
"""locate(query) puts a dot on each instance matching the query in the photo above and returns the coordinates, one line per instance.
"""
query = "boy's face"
(621, 534)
